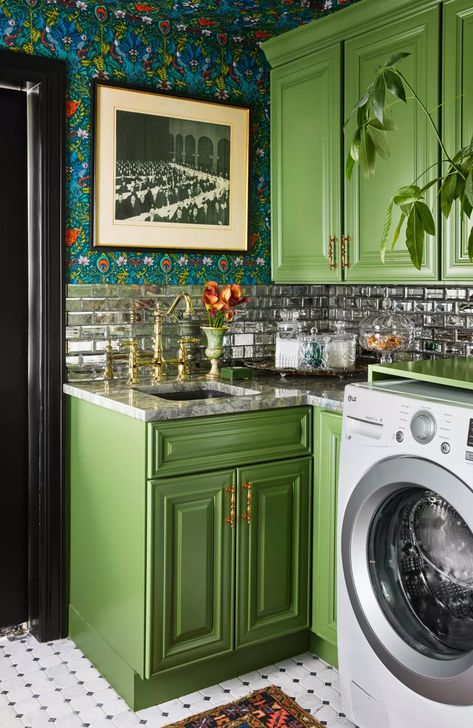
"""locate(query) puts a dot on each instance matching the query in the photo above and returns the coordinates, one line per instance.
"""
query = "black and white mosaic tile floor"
(54, 685)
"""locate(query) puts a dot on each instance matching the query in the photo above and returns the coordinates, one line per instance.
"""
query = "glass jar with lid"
(312, 351)
(289, 328)
(387, 331)
(341, 348)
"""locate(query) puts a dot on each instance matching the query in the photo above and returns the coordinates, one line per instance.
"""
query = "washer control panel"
(423, 427)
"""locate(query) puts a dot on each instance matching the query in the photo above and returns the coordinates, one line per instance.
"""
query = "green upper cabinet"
(413, 146)
(312, 201)
(273, 550)
(305, 168)
(457, 125)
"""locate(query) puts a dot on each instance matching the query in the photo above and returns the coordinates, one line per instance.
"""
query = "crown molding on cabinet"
(360, 17)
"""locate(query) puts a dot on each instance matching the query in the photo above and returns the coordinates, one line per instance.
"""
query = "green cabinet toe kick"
(139, 693)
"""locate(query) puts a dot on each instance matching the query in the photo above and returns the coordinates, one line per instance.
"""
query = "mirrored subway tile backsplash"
(99, 314)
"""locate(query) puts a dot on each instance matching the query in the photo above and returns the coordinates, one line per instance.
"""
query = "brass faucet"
(159, 362)
(156, 360)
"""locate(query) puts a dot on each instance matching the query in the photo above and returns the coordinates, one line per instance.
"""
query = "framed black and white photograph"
(169, 172)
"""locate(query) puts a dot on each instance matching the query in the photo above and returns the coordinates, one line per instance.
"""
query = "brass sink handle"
(246, 516)
(231, 518)
(183, 370)
(110, 356)
(108, 372)
(132, 360)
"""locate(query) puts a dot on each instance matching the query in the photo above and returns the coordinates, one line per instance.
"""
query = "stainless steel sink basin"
(194, 391)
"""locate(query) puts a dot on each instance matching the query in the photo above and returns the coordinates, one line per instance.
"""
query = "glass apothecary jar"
(387, 332)
(312, 351)
(341, 348)
(289, 329)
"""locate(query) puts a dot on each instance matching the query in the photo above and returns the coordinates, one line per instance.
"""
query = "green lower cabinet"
(172, 589)
(328, 433)
(273, 550)
(191, 568)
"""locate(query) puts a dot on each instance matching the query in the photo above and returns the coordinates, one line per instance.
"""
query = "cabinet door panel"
(328, 432)
(305, 167)
(191, 569)
(413, 146)
(457, 112)
(273, 550)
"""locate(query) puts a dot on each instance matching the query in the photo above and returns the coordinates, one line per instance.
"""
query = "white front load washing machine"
(405, 556)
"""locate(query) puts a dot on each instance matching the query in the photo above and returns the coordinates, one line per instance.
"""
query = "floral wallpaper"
(206, 48)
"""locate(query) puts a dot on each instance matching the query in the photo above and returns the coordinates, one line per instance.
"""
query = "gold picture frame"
(169, 172)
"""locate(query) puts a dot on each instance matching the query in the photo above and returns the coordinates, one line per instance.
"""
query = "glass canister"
(287, 340)
(312, 351)
(341, 348)
(386, 332)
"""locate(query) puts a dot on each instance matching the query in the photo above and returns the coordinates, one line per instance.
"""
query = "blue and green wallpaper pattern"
(206, 48)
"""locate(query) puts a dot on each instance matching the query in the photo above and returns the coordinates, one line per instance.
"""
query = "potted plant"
(455, 179)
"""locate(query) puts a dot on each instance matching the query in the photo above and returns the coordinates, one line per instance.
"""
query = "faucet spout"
(159, 362)
(182, 296)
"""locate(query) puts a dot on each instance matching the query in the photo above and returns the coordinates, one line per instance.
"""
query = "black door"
(13, 360)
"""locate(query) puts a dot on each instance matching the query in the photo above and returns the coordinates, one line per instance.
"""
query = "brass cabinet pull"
(231, 518)
(345, 251)
(332, 252)
(246, 516)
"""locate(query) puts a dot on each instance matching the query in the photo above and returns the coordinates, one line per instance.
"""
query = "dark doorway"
(14, 361)
(32, 493)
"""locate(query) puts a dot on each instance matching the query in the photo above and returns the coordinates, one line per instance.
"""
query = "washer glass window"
(420, 554)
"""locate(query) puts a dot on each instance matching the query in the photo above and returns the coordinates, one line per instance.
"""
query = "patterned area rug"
(266, 708)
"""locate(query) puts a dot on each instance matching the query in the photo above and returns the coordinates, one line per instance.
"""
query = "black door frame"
(44, 80)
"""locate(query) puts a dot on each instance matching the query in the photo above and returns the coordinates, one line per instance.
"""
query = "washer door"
(407, 558)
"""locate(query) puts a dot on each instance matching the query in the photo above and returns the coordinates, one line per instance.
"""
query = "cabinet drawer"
(209, 443)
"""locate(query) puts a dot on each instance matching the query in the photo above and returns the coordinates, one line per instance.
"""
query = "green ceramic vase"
(214, 349)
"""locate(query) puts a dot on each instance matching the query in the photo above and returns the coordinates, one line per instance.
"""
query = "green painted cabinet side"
(328, 432)
(305, 167)
(273, 550)
(413, 146)
(191, 570)
(457, 113)
(222, 441)
(107, 506)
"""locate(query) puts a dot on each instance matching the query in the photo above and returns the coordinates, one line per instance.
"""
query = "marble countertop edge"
(266, 393)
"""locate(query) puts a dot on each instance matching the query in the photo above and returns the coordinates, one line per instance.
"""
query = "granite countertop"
(259, 393)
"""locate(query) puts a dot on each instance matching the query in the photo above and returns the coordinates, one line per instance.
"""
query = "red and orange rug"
(265, 708)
